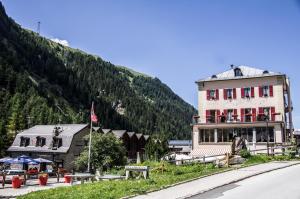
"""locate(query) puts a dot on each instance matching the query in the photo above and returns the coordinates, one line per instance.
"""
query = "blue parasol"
(21, 160)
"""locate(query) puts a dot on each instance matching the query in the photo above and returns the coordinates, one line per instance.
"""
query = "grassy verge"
(161, 175)
(259, 159)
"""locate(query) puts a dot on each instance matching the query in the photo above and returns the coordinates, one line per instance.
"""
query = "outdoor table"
(81, 176)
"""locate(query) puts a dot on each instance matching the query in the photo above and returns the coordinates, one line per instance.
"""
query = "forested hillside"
(43, 82)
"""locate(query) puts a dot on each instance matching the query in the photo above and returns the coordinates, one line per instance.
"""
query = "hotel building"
(245, 102)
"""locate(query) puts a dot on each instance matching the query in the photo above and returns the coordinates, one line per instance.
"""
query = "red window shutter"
(242, 114)
(253, 114)
(207, 115)
(271, 90)
(208, 94)
(225, 112)
(217, 94)
(234, 93)
(225, 94)
(235, 111)
(243, 92)
(218, 115)
(260, 91)
(260, 110)
(273, 113)
(252, 91)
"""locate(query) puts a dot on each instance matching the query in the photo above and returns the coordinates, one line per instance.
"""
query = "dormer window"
(238, 72)
(57, 142)
(40, 141)
(25, 141)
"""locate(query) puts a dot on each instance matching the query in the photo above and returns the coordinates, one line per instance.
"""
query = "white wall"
(277, 100)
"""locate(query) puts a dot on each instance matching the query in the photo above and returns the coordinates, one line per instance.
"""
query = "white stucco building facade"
(244, 102)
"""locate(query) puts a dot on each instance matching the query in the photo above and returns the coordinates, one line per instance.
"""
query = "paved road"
(278, 184)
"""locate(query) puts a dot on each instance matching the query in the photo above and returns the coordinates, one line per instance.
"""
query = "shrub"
(244, 153)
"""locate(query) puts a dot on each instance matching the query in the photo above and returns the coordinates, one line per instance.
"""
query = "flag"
(93, 115)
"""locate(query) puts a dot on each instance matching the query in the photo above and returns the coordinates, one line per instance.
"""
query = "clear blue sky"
(176, 41)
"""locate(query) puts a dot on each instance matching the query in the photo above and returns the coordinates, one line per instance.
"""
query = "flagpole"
(89, 160)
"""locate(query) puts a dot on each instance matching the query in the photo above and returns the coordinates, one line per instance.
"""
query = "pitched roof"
(46, 131)
(106, 131)
(119, 133)
(146, 137)
(96, 128)
(247, 72)
(130, 134)
(139, 135)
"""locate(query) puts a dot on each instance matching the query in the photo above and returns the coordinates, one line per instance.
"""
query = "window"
(220, 135)
(225, 135)
(229, 93)
(25, 141)
(212, 94)
(40, 141)
(265, 91)
(248, 115)
(238, 72)
(250, 134)
(206, 135)
(229, 115)
(247, 92)
(261, 134)
(57, 142)
(266, 112)
(210, 116)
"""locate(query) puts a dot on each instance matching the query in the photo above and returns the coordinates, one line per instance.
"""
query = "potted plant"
(16, 182)
(43, 178)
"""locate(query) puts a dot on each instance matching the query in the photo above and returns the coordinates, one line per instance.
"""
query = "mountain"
(43, 82)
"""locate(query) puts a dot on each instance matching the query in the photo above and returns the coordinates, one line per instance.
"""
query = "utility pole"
(38, 27)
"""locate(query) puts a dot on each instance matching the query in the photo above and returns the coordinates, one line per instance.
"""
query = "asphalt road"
(278, 184)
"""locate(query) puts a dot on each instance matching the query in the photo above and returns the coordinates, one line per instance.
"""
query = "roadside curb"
(240, 179)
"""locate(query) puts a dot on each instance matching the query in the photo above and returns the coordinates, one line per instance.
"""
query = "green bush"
(244, 153)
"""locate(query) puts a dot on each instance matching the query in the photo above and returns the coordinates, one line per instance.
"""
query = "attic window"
(214, 76)
(57, 142)
(266, 72)
(238, 72)
(24, 141)
(40, 141)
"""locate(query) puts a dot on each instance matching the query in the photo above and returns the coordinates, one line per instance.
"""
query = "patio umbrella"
(33, 163)
(42, 160)
(3, 160)
(20, 160)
